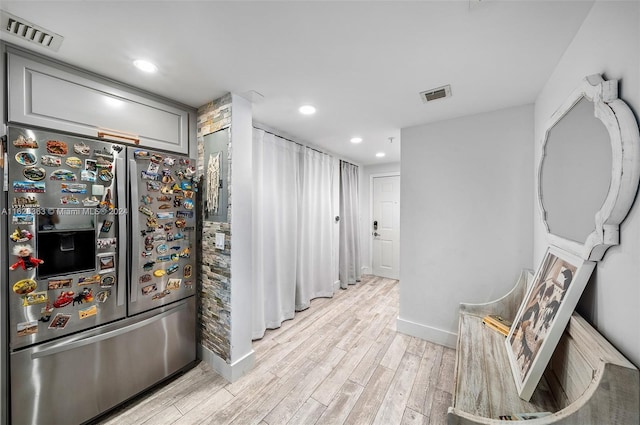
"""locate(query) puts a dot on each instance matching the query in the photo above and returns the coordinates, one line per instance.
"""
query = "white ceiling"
(361, 63)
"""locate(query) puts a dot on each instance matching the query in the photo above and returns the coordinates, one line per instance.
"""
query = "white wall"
(365, 208)
(467, 203)
(608, 43)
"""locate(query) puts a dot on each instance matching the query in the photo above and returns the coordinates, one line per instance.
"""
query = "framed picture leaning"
(543, 316)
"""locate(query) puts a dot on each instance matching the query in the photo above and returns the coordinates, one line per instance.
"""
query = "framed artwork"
(543, 316)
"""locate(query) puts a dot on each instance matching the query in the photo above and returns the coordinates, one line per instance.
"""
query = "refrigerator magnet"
(45, 313)
(145, 278)
(64, 299)
(73, 162)
(188, 194)
(146, 199)
(27, 328)
(166, 190)
(146, 254)
(165, 215)
(146, 211)
(169, 235)
(169, 161)
(185, 253)
(148, 265)
(97, 190)
(26, 158)
(185, 214)
(180, 223)
(88, 176)
(140, 154)
(172, 269)
(165, 172)
(178, 236)
(28, 187)
(103, 243)
(156, 159)
(177, 202)
(163, 258)
(146, 290)
(86, 296)
(102, 162)
(153, 185)
(173, 284)
(188, 204)
(152, 223)
(106, 226)
(105, 175)
(103, 153)
(88, 312)
(88, 280)
(175, 257)
(21, 235)
(35, 298)
(25, 142)
(106, 262)
(91, 165)
(164, 207)
(25, 286)
(188, 284)
(59, 284)
(153, 170)
(159, 273)
(167, 179)
(57, 147)
(161, 249)
(159, 237)
(90, 201)
(187, 271)
(34, 173)
(102, 296)
(28, 201)
(70, 200)
(50, 161)
(82, 149)
(63, 175)
(161, 294)
(73, 188)
(164, 198)
(167, 227)
(107, 281)
(60, 321)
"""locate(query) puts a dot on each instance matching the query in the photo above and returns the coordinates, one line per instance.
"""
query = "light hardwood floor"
(339, 362)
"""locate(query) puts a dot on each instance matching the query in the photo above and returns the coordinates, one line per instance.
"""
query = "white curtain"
(315, 229)
(349, 256)
(276, 169)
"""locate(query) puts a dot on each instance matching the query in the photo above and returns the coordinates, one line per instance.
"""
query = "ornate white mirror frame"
(624, 137)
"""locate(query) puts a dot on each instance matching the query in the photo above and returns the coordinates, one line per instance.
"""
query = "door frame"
(371, 177)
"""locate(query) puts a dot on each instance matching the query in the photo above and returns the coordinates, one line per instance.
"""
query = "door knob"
(376, 234)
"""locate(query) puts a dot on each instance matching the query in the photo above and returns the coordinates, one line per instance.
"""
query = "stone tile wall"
(214, 312)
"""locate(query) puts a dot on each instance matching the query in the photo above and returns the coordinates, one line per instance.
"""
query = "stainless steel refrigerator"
(101, 287)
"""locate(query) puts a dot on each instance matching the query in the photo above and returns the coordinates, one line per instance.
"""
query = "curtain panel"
(349, 255)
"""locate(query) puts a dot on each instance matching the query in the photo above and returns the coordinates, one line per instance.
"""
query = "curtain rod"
(299, 144)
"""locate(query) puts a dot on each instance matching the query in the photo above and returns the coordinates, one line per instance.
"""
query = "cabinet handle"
(135, 140)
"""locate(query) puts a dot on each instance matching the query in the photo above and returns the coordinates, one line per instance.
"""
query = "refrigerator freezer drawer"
(75, 379)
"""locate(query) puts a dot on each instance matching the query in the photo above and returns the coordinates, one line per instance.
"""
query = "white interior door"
(385, 226)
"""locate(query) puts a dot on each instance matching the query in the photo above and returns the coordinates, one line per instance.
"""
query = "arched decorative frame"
(624, 136)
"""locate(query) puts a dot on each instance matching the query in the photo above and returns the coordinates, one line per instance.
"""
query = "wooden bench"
(587, 381)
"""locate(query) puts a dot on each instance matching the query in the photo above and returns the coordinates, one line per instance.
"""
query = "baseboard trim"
(429, 333)
(230, 372)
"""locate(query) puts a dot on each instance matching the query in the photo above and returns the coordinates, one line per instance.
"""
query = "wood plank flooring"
(339, 362)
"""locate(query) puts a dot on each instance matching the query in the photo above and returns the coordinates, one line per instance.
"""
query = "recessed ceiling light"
(380, 154)
(307, 110)
(145, 66)
(356, 140)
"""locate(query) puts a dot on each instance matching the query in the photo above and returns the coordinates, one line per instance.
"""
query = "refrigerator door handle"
(62, 347)
(135, 228)
(122, 234)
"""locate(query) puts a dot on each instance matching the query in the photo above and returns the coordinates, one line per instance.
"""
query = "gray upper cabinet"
(50, 95)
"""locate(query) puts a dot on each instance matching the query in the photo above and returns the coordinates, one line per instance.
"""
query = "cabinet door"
(51, 96)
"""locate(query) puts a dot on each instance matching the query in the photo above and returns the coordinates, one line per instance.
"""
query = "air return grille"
(435, 94)
(29, 32)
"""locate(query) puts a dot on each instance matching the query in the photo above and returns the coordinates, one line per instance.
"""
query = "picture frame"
(543, 316)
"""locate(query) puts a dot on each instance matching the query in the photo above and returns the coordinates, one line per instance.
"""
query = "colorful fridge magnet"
(70, 200)
(163, 258)
(159, 273)
(164, 207)
(169, 161)
(45, 313)
(167, 179)
(152, 170)
(185, 214)
(64, 299)
(145, 278)
(156, 159)
(178, 236)
(103, 153)
(106, 226)
(90, 201)
(86, 296)
(82, 149)
(146, 211)
(102, 296)
(172, 269)
(106, 200)
(25, 142)
(180, 223)
(146, 199)
(153, 185)
(107, 281)
(159, 237)
(27, 328)
(88, 176)
(63, 175)
(165, 215)
(26, 158)
(88, 280)
(60, 321)
(21, 235)
(20, 218)
(106, 242)
(35, 298)
(164, 198)
(73, 188)
(73, 162)
(28, 187)
(59, 284)
(169, 236)
(34, 173)
(25, 260)
(140, 154)
(105, 175)
(91, 165)
(188, 284)
(188, 194)
(188, 204)
(88, 312)
(177, 202)
(161, 294)
(106, 262)
(102, 162)
(148, 265)
(187, 271)
(186, 253)
(25, 286)
(146, 290)
(161, 249)
(50, 161)
(57, 147)
(28, 201)
(152, 223)
(173, 284)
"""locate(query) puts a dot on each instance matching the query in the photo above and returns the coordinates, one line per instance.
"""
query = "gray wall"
(607, 43)
(467, 207)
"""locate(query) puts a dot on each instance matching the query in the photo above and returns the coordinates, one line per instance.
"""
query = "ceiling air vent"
(435, 94)
(29, 32)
